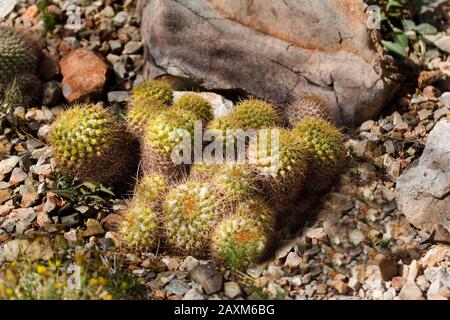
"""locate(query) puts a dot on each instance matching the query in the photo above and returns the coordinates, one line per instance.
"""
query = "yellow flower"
(108, 297)
(41, 269)
(58, 263)
(93, 282)
(9, 292)
(102, 281)
(10, 276)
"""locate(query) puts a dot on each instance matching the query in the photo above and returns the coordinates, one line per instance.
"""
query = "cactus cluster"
(90, 143)
(228, 211)
(19, 57)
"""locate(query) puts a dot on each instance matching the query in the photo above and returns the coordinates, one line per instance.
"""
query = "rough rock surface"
(277, 50)
(423, 190)
(85, 74)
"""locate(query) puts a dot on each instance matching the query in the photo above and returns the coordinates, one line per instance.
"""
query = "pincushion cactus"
(140, 228)
(140, 114)
(165, 132)
(254, 114)
(248, 114)
(281, 166)
(197, 105)
(90, 143)
(147, 91)
(18, 53)
(325, 145)
(150, 188)
(235, 181)
(190, 212)
(307, 107)
(167, 129)
(240, 239)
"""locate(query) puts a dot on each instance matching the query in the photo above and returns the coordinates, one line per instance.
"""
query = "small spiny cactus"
(163, 134)
(140, 114)
(18, 53)
(254, 114)
(146, 92)
(150, 188)
(167, 129)
(140, 228)
(240, 239)
(197, 105)
(281, 166)
(307, 107)
(250, 114)
(235, 181)
(326, 149)
(190, 212)
(91, 144)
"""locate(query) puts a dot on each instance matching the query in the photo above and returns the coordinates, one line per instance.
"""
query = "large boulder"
(423, 190)
(278, 50)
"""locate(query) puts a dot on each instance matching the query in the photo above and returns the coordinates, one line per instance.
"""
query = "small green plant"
(150, 188)
(76, 191)
(401, 35)
(235, 181)
(167, 131)
(140, 114)
(282, 169)
(48, 18)
(240, 238)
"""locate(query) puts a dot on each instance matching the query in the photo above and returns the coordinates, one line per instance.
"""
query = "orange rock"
(85, 74)
(31, 14)
(398, 283)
